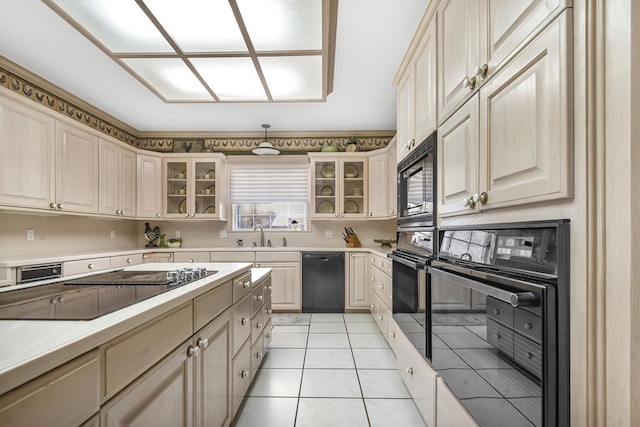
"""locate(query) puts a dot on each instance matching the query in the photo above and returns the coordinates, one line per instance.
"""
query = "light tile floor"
(328, 370)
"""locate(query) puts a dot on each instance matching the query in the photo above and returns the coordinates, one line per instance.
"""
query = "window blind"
(269, 181)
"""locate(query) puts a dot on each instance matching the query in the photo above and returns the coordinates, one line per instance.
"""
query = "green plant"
(352, 140)
(173, 240)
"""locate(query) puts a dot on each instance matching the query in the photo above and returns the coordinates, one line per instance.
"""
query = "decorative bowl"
(385, 243)
(174, 244)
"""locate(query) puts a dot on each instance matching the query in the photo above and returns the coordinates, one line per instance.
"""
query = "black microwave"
(417, 186)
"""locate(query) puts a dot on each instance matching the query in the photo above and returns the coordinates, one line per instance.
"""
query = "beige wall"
(207, 234)
(63, 234)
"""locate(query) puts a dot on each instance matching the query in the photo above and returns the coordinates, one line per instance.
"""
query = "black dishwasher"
(323, 282)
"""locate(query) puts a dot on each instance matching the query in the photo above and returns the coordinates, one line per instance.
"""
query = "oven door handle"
(519, 299)
(405, 261)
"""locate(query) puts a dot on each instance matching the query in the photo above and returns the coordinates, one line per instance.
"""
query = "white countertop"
(32, 347)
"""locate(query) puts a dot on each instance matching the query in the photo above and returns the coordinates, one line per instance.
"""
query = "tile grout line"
(364, 404)
(304, 361)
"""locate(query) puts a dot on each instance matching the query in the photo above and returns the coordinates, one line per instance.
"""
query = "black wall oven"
(416, 186)
(500, 321)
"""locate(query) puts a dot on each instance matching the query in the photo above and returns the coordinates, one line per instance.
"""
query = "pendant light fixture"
(266, 148)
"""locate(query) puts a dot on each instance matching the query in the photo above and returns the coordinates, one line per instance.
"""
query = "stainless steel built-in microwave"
(416, 186)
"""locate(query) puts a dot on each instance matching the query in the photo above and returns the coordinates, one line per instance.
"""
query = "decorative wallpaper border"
(56, 103)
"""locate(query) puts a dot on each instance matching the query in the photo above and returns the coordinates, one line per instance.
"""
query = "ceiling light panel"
(231, 79)
(276, 25)
(199, 25)
(170, 77)
(120, 25)
(293, 77)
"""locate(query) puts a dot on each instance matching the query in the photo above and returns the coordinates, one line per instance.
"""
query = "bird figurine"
(151, 235)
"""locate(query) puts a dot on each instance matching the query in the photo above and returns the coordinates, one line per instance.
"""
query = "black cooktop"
(93, 296)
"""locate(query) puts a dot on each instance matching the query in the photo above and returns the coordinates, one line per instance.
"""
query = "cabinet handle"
(244, 321)
(258, 325)
(186, 215)
(529, 355)
(268, 336)
(468, 202)
(373, 279)
(258, 265)
(336, 215)
(191, 260)
(482, 198)
(528, 326)
(203, 343)
(52, 205)
(246, 284)
(193, 351)
(269, 311)
(157, 215)
(409, 370)
(342, 215)
(60, 299)
(353, 255)
(392, 334)
(380, 317)
(469, 82)
(129, 260)
(169, 255)
(259, 355)
(496, 312)
(370, 213)
(60, 206)
(144, 257)
(481, 71)
(117, 212)
(244, 374)
(53, 301)
(259, 297)
(373, 306)
(90, 266)
(193, 215)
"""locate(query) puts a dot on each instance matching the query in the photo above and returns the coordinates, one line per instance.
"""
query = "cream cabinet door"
(27, 156)
(458, 160)
(128, 183)
(459, 51)
(286, 285)
(77, 170)
(109, 178)
(526, 123)
(424, 93)
(163, 396)
(212, 374)
(149, 185)
(392, 183)
(358, 280)
(378, 187)
(404, 100)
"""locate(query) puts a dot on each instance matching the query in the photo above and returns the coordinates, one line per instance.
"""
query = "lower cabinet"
(157, 257)
(286, 285)
(241, 375)
(358, 289)
(449, 411)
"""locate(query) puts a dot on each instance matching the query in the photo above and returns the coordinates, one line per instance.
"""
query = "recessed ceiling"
(215, 50)
(372, 37)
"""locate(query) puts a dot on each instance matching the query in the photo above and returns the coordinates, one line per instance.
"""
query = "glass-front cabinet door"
(339, 186)
(194, 188)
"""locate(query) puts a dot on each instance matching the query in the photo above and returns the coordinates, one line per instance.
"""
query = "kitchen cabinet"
(476, 37)
(65, 396)
(27, 156)
(157, 257)
(449, 410)
(511, 143)
(77, 170)
(83, 266)
(118, 171)
(380, 292)
(191, 257)
(125, 260)
(358, 292)
(70, 305)
(241, 376)
(113, 297)
(416, 94)
(149, 186)
(195, 187)
(286, 278)
(382, 182)
(339, 186)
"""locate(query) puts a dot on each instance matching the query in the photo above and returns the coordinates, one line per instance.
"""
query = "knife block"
(353, 242)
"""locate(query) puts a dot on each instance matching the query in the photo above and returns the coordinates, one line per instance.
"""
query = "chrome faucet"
(261, 234)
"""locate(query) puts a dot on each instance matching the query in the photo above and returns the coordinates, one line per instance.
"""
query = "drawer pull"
(269, 311)
(373, 306)
(258, 325)
(90, 266)
(268, 336)
(203, 343)
(157, 215)
(409, 370)
(259, 297)
(392, 334)
(169, 255)
(381, 317)
(496, 312)
(52, 205)
(53, 301)
(244, 374)
(259, 355)
(193, 351)
(268, 288)
(191, 260)
(528, 326)
(529, 355)
(128, 260)
(244, 321)
(498, 336)
(246, 284)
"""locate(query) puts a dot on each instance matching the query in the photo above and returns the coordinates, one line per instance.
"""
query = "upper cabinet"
(77, 166)
(339, 186)
(195, 187)
(512, 142)
(382, 182)
(477, 37)
(149, 183)
(117, 180)
(416, 94)
(27, 157)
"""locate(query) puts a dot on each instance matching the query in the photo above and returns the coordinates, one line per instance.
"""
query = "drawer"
(500, 337)
(383, 264)
(276, 256)
(528, 324)
(418, 377)
(257, 299)
(257, 356)
(241, 323)
(528, 354)
(131, 354)
(232, 256)
(241, 376)
(125, 260)
(65, 396)
(241, 286)
(266, 336)
(267, 289)
(449, 410)
(257, 324)
(84, 266)
(392, 336)
(211, 304)
(500, 311)
(191, 257)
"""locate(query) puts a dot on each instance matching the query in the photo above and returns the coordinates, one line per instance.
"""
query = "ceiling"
(371, 39)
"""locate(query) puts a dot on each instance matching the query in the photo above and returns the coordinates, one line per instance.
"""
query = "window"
(271, 192)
